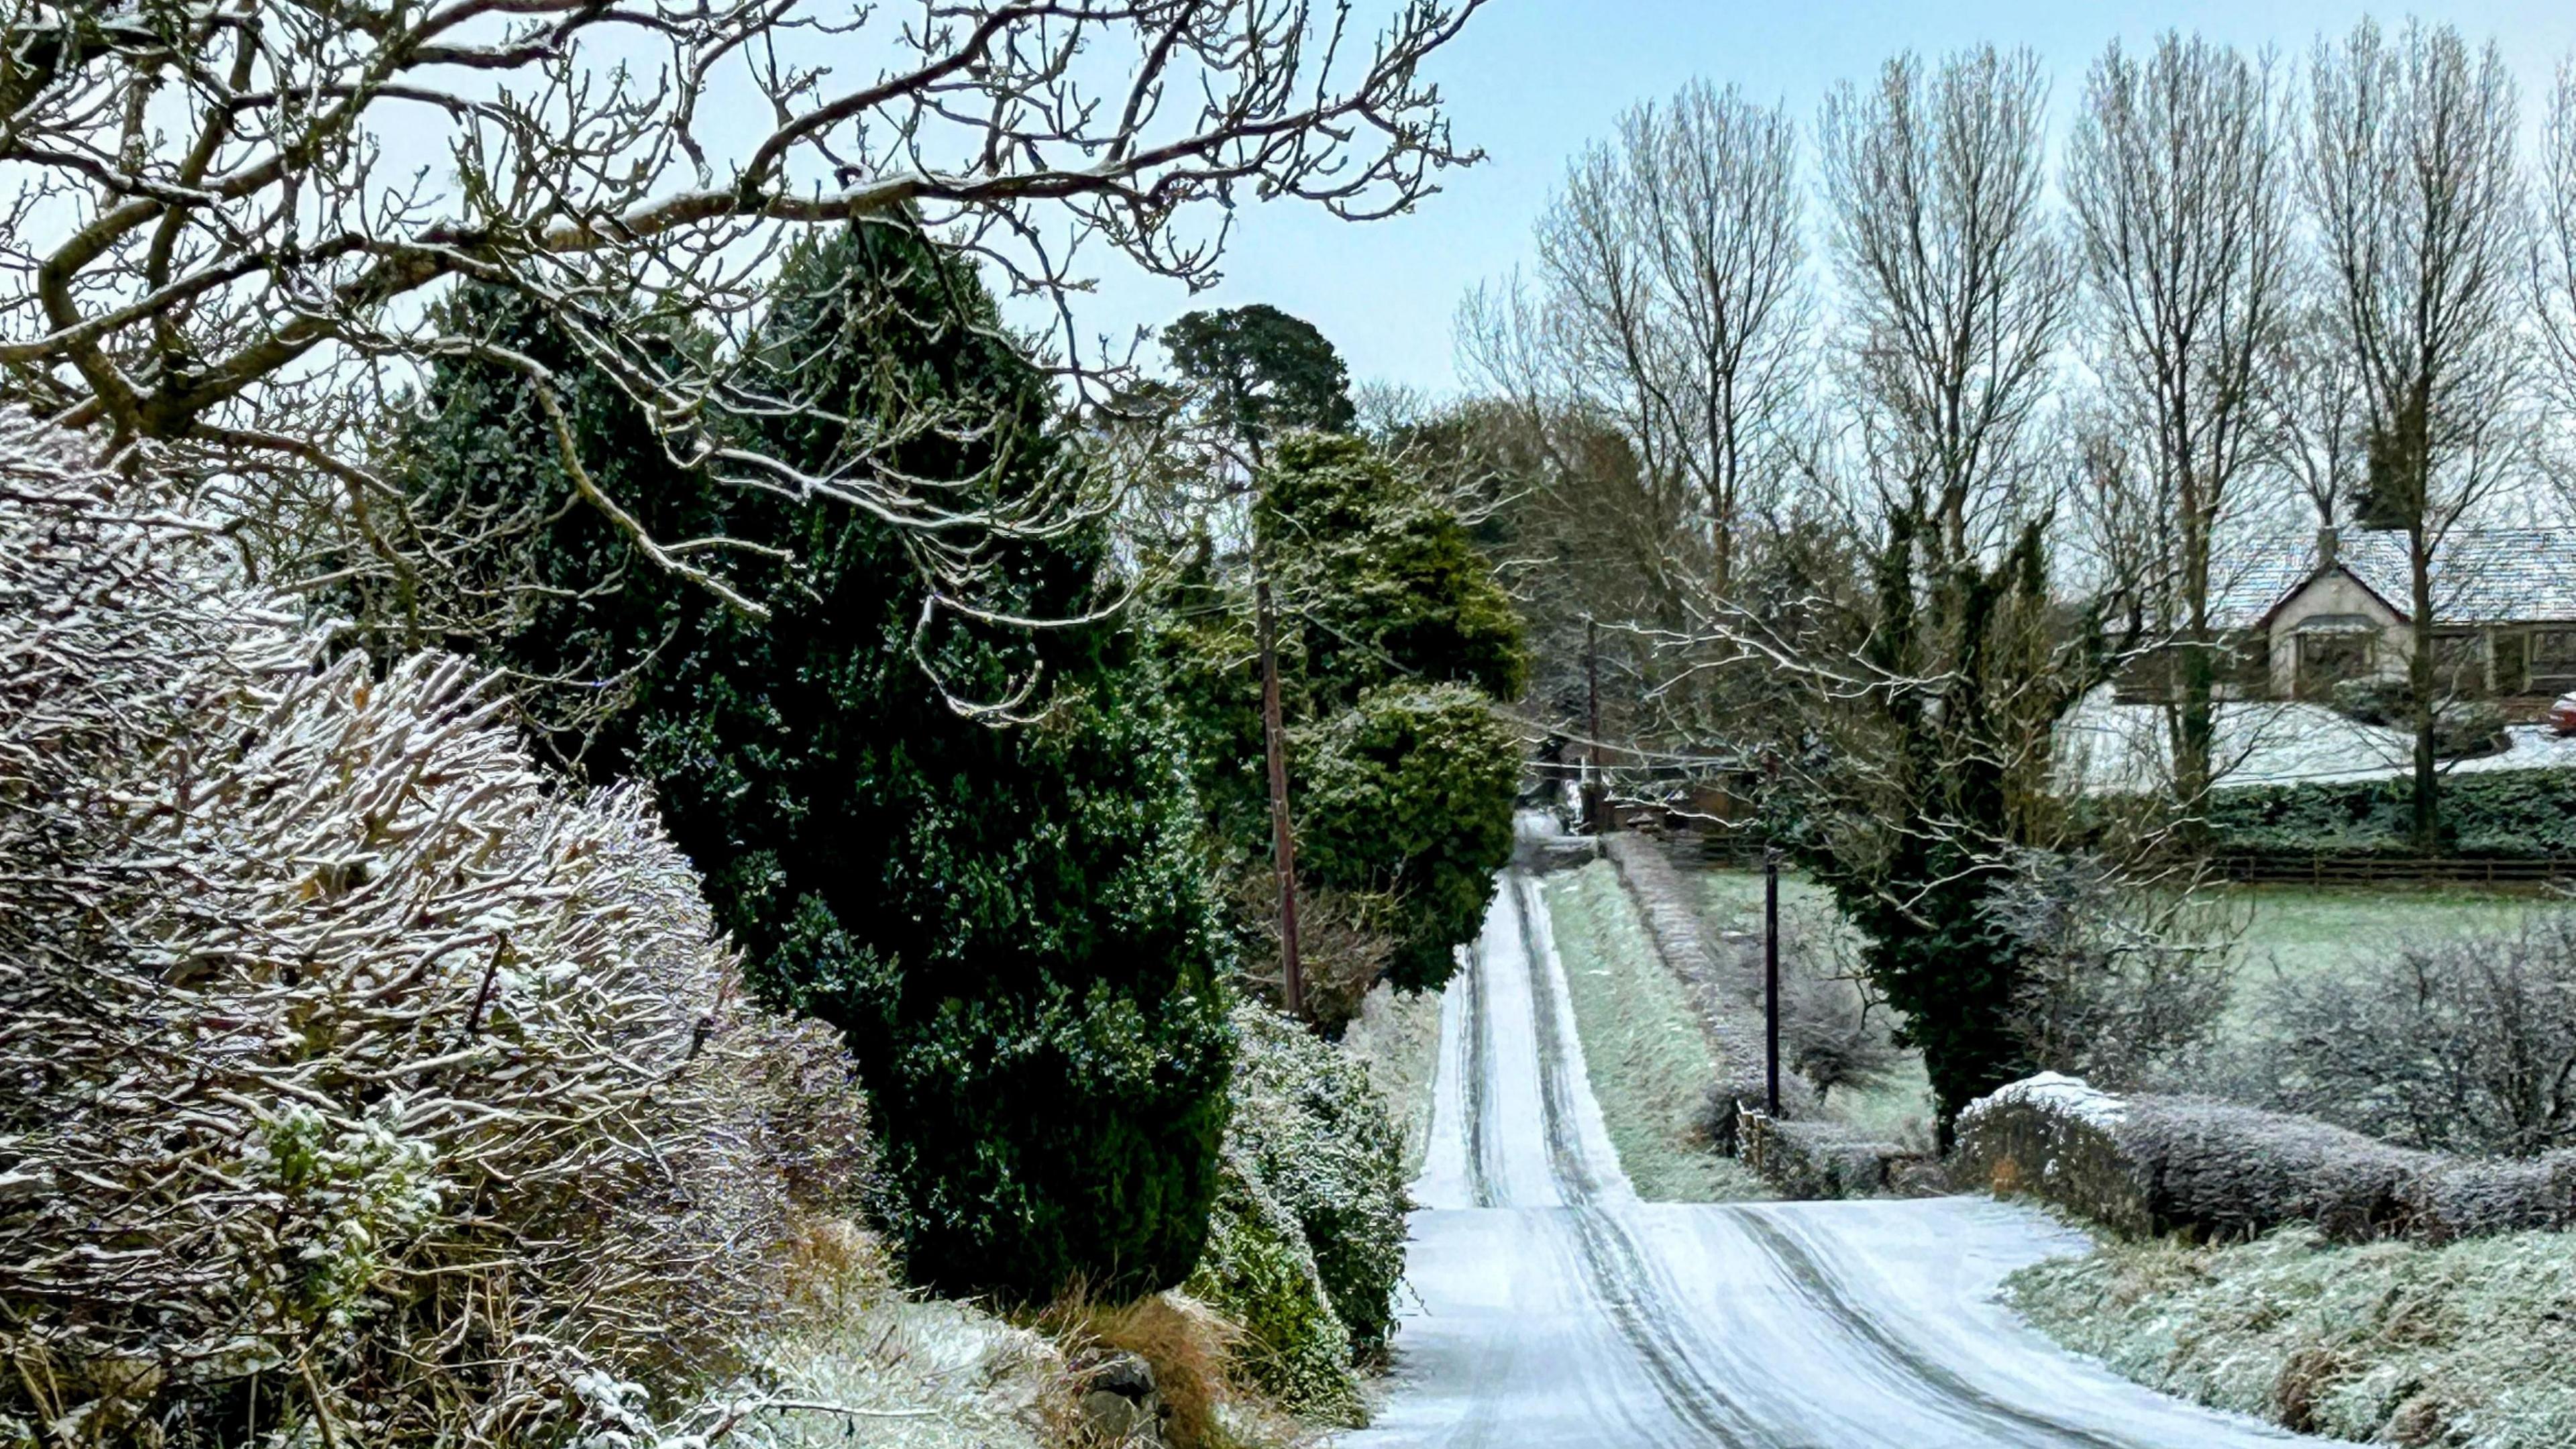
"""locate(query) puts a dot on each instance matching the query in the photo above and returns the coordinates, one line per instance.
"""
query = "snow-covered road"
(1553, 1308)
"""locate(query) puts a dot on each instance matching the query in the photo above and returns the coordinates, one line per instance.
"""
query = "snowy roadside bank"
(2468, 1344)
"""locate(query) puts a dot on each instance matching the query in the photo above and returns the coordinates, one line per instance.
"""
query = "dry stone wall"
(2164, 1164)
(1733, 1026)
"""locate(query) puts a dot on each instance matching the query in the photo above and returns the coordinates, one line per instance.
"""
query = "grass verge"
(2470, 1344)
(1642, 1049)
(1396, 1038)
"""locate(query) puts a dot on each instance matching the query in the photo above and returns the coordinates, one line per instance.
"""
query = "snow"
(2119, 748)
(1554, 1309)
(2059, 1095)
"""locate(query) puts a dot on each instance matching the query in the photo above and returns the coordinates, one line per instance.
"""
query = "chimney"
(2326, 548)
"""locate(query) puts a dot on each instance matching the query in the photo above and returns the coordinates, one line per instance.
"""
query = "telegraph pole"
(1771, 982)
(1283, 845)
(1594, 788)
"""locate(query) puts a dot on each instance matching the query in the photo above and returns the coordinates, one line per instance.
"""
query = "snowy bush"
(1259, 1271)
(362, 1086)
(1306, 1245)
(2463, 1045)
(2122, 984)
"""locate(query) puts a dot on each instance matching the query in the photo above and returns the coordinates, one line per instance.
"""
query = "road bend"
(1549, 1307)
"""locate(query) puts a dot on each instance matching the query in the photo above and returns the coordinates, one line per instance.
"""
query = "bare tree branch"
(230, 216)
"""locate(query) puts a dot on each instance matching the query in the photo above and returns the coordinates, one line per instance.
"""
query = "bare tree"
(2410, 173)
(1955, 292)
(2553, 258)
(1671, 302)
(2313, 405)
(2124, 983)
(229, 219)
(1583, 460)
(2175, 178)
(1935, 708)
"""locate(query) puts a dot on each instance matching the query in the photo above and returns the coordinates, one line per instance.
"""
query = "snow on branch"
(230, 219)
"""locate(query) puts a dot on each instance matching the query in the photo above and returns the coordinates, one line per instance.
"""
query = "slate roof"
(2480, 576)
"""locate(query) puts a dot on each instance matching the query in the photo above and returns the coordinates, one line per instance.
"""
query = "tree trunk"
(2419, 673)
(2195, 741)
(1283, 841)
(2195, 727)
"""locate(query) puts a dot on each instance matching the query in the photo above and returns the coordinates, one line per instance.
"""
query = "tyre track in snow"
(1554, 1309)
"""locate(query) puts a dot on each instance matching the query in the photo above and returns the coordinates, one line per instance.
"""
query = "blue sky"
(1532, 81)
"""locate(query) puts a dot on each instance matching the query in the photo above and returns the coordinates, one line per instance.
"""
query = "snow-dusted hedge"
(2501, 814)
(1306, 1243)
(2157, 1164)
(362, 1085)
(2056, 1138)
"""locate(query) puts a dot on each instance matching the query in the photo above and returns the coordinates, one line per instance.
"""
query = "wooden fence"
(2274, 867)
(2348, 869)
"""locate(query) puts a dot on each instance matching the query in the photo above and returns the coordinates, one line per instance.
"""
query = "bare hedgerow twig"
(356, 1073)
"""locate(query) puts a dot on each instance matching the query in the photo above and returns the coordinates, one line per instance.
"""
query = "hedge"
(2161, 1164)
(2498, 814)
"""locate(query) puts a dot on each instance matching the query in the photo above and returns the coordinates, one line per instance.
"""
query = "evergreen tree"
(1008, 922)
(1263, 372)
(1395, 645)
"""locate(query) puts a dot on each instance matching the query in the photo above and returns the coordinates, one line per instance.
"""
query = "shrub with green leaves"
(1409, 793)
(2492, 814)
(1395, 645)
(1306, 1247)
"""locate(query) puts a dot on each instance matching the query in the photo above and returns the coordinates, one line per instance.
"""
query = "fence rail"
(2274, 867)
(2331, 868)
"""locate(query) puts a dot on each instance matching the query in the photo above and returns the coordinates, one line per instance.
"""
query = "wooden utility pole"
(1283, 844)
(1771, 983)
(1595, 804)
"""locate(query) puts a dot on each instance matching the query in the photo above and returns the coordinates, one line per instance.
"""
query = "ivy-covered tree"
(1007, 920)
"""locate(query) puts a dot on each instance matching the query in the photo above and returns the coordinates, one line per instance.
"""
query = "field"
(2304, 931)
(1897, 1110)
(2289, 931)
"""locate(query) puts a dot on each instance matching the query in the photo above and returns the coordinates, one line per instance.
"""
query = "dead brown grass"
(1193, 1351)
(832, 1262)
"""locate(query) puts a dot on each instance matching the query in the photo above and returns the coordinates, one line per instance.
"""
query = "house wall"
(2328, 594)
